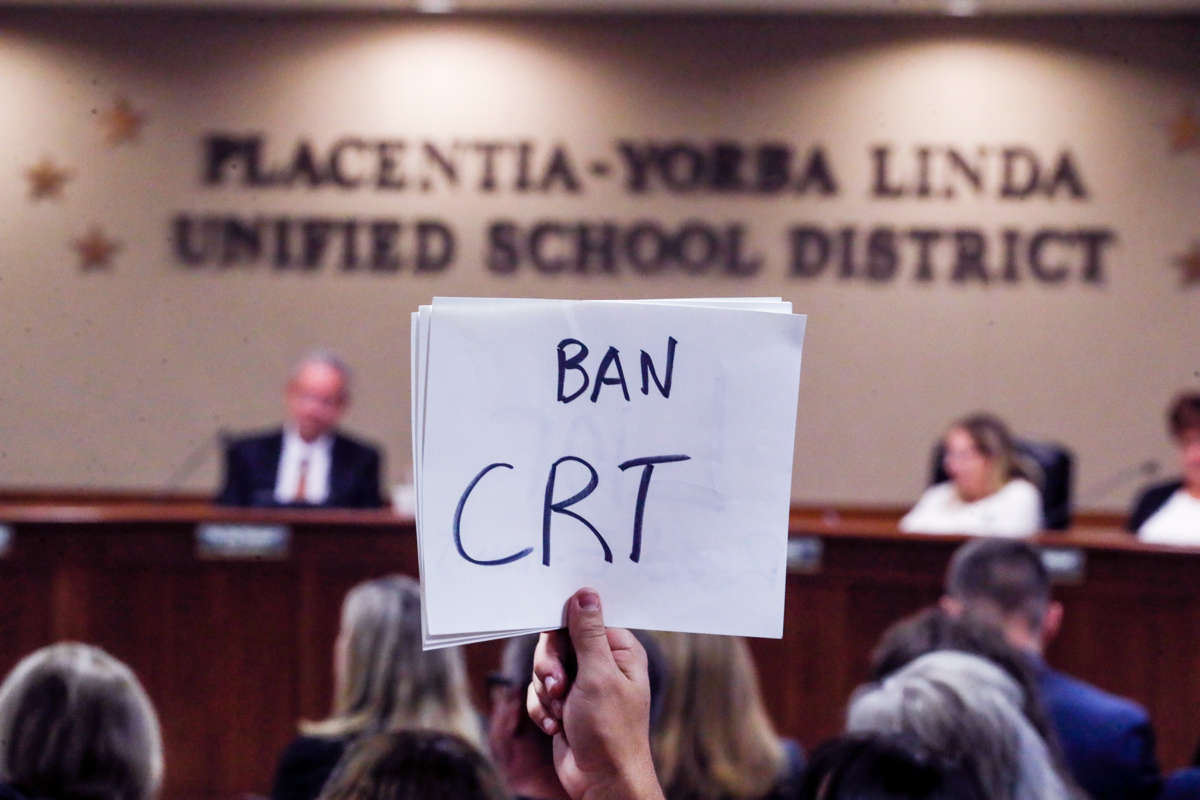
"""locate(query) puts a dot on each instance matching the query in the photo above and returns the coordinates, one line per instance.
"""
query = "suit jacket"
(1150, 500)
(1107, 740)
(251, 465)
(1182, 785)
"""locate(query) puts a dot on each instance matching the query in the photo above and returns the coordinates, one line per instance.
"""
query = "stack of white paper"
(641, 448)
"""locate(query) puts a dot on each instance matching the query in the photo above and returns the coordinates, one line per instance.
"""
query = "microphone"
(1145, 469)
(195, 459)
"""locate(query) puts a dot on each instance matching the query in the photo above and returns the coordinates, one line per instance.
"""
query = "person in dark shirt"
(383, 681)
(307, 462)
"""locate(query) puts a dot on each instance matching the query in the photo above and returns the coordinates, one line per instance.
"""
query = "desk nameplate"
(240, 541)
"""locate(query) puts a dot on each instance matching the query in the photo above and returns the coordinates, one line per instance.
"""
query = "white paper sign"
(641, 448)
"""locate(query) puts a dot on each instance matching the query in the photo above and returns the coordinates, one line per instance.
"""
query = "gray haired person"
(967, 710)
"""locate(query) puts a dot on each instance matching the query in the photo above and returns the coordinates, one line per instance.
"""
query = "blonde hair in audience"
(715, 739)
(75, 722)
(968, 710)
(383, 680)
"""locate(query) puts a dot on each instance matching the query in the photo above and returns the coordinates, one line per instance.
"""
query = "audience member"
(600, 717)
(932, 629)
(885, 767)
(414, 765)
(307, 462)
(1169, 513)
(1107, 740)
(987, 494)
(966, 710)
(383, 682)
(716, 741)
(74, 724)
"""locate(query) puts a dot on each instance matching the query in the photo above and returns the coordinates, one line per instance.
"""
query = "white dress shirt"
(1015, 510)
(1177, 521)
(315, 457)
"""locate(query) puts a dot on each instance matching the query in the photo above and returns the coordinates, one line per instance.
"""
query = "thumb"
(585, 622)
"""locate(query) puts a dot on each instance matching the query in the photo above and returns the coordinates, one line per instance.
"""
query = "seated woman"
(1169, 513)
(715, 740)
(383, 682)
(987, 494)
(75, 723)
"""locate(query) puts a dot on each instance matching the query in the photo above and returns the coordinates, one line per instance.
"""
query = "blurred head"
(1183, 419)
(967, 711)
(75, 723)
(934, 629)
(413, 765)
(318, 393)
(979, 456)
(715, 739)
(1003, 583)
(885, 767)
(383, 680)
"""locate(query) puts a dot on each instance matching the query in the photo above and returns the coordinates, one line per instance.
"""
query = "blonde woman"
(383, 682)
(75, 723)
(987, 494)
(715, 740)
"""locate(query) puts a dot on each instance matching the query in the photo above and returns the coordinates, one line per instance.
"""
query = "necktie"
(300, 483)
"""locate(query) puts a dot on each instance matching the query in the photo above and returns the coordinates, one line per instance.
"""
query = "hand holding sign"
(641, 448)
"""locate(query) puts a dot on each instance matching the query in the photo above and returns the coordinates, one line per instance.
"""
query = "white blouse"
(1177, 521)
(1015, 510)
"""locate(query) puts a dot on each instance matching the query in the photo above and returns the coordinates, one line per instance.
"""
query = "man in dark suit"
(307, 462)
(1107, 740)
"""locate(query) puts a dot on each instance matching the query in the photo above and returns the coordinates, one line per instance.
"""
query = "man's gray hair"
(328, 358)
(969, 711)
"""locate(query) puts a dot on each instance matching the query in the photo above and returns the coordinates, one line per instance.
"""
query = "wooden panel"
(234, 653)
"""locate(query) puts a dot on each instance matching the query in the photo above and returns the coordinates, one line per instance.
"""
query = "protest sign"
(641, 448)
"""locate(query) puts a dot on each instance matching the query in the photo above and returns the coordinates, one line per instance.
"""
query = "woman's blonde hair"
(715, 739)
(75, 722)
(995, 442)
(385, 681)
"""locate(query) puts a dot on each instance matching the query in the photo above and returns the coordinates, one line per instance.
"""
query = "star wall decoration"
(121, 123)
(1183, 131)
(1189, 266)
(95, 250)
(46, 180)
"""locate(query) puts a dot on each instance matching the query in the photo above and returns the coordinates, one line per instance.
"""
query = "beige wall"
(112, 378)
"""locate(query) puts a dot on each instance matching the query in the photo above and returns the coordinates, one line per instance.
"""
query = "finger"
(589, 637)
(539, 713)
(551, 704)
(628, 653)
(549, 665)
